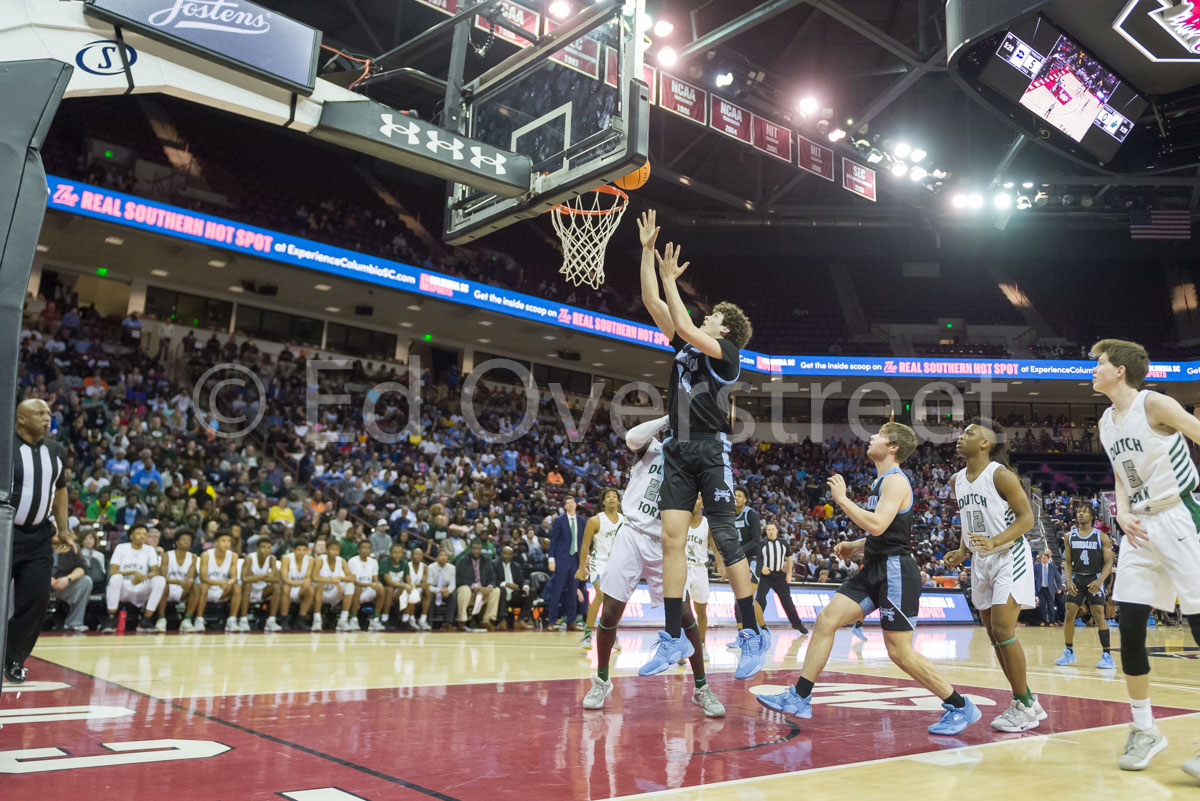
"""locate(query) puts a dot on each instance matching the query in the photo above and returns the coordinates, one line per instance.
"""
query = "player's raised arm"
(640, 435)
(892, 495)
(648, 233)
(670, 269)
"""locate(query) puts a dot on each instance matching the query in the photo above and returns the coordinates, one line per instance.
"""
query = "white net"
(585, 224)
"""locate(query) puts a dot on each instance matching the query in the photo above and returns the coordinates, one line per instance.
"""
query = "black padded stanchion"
(31, 92)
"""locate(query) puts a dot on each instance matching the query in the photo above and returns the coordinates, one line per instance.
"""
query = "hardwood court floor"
(377, 716)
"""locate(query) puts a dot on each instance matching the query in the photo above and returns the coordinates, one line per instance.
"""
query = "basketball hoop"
(585, 229)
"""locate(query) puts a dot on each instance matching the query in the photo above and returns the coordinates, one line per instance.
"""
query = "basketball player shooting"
(1143, 433)
(696, 451)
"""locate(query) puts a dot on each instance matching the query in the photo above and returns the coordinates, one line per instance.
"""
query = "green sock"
(587, 630)
(701, 682)
(602, 673)
(1026, 699)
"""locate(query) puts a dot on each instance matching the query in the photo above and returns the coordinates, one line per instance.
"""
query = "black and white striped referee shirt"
(37, 474)
(774, 555)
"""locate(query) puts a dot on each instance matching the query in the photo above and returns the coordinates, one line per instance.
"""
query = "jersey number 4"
(1131, 475)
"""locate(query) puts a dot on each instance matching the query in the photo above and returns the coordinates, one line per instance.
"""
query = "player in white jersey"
(179, 569)
(995, 516)
(134, 575)
(260, 581)
(1143, 434)
(329, 577)
(598, 536)
(218, 581)
(295, 570)
(366, 588)
(696, 551)
(636, 555)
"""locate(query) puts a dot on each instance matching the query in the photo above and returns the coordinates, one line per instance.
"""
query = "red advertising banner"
(730, 119)
(649, 74)
(581, 55)
(518, 15)
(814, 157)
(680, 97)
(858, 179)
(447, 7)
(772, 139)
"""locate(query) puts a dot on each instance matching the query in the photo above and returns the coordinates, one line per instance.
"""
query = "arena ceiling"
(878, 62)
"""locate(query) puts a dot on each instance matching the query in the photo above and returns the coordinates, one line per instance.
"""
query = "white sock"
(345, 616)
(271, 619)
(406, 617)
(245, 620)
(383, 618)
(423, 618)
(1143, 717)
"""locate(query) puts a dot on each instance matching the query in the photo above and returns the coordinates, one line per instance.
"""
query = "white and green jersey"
(176, 571)
(639, 504)
(697, 544)
(297, 572)
(982, 509)
(260, 572)
(1155, 468)
(602, 540)
(222, 571)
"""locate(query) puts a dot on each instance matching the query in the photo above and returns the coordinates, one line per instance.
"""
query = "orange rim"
(563, 208)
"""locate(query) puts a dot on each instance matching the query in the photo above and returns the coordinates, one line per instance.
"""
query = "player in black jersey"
(1087, 564)
(889, 581)
(696, 451)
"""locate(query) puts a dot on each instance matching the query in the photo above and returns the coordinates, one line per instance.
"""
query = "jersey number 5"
(1131, 476)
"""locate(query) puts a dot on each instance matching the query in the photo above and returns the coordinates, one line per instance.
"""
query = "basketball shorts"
(1168, 566)
(697, 583)
(136, 594)
(406, 597)
(332, 593)
(174, 593)
(366, 595)
(636, 555)
(215, 594)
(893, 586)
(597, 564)
(1082, 596)
(256, 591)
(996, 577)
(697, 466)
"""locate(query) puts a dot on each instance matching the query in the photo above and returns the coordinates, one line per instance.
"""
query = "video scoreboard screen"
(1047, 72)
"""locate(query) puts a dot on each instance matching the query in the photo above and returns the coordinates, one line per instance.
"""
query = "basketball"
(636, 179)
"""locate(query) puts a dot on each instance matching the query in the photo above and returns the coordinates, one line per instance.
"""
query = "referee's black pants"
(777, 580)
(32, 564)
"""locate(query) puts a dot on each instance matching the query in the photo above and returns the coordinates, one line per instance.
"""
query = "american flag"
(1154, 224)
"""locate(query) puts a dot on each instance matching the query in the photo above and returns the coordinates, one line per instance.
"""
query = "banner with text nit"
(772, 139)
(814, 157)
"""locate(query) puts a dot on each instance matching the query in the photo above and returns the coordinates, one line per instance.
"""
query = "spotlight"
(959, 201)
(1002, 201)
(663, 29)
(1068, 200)
(1008, 184)
(975, 201)
(1023, 202)
(1086, 201)
(918, 155)
(560, 9)
(723, 79)
(902, 150)
(939, 174)
(1027, 184)
(823, 127)
(808, 105)
(837, 135)
(1041, 199)
(917, 173)
(875, 156)
(667, 57)
(899, 169)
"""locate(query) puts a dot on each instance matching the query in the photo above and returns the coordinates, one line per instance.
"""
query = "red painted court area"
(478, 741)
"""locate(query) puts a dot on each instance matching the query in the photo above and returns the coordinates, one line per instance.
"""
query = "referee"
(39, 493)
(776, 573)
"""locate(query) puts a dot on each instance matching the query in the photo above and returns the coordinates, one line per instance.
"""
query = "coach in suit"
(566, 535)
(1047, 580)
(513, 586)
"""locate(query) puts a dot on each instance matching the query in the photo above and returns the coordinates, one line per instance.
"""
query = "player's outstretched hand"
(668, 262)
(837, 487)
(1135, 532)
(648, 229)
